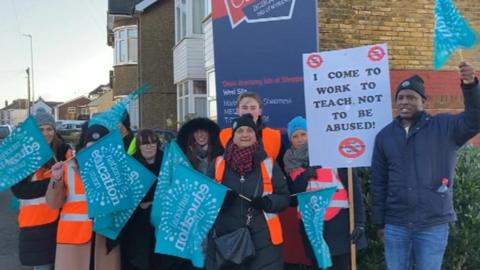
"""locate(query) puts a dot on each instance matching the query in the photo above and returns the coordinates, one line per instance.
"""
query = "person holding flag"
(246, 169)
(38, 223)
(413, 166)
(76, 241)
(303, 177)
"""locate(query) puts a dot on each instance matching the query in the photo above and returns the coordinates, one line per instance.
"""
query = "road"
(8, 235)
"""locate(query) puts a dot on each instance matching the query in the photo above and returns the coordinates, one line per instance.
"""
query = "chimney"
(6, 103)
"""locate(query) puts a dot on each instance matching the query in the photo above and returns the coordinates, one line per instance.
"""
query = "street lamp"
(31, 63)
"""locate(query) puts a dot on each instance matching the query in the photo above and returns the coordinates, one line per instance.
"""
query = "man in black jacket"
(413, 165)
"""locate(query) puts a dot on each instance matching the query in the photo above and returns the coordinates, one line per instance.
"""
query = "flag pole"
(460, 52)
(351, 212)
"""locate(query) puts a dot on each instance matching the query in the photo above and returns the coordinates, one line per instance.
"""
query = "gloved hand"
(310, 172)
(357, 233)
(261, 203)
(230, 197)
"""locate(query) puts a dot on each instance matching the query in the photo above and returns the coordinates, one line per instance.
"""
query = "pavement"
(8, 235)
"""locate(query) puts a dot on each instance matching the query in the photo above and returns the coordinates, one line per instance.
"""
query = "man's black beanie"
(414, 83)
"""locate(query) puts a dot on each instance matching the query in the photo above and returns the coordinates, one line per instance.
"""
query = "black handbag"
(236, 247)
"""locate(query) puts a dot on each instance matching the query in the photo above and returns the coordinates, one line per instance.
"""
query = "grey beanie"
(44, 118)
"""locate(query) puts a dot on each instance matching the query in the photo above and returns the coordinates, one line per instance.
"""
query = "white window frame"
(131, 45)
(184, 27)
(211, 95)
(186, 100)
(72, 110)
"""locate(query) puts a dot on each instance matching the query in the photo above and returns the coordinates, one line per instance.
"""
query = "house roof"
(122, 7)
(75, 99)
(18, 104)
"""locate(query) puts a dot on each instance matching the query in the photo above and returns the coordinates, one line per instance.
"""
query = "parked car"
(70, 130)
(5, 130)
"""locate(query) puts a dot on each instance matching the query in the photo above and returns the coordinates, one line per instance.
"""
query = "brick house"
(75, 109)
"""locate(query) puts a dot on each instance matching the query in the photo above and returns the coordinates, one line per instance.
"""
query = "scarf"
(295, 158)
(240, 160)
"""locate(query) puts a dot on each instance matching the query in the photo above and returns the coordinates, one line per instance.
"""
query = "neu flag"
(110, 225)
(172, 157)
(106, 169)
(452, 32)
(189, 209)
(312, 206)
(22, 153)
(112, 117)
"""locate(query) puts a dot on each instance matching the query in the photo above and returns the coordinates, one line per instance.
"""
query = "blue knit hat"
(297, 123)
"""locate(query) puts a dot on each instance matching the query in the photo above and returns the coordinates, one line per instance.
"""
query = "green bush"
(463, 251)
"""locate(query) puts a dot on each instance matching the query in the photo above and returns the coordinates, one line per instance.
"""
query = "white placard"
(347, 101)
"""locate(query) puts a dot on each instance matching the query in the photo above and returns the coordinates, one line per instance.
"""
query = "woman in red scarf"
(258, 192)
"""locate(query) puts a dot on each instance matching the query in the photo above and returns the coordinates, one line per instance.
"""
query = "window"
(212, 95)
(125, 45)
(181, 19)
(84, 111)
(191, 100)
(188, 17)
(72, 110)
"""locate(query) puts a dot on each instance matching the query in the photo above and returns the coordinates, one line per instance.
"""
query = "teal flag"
(189, 209)
(172, 157)
(111, 118)
(106, 170)
(452, 32)
(312, 206)
(110, 225)
(22, 153)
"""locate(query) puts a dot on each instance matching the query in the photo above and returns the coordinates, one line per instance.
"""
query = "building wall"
(189, 59)
(157, 38)
(124, 79)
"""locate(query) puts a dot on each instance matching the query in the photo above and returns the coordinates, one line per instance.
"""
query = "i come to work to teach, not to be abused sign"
(347, 98)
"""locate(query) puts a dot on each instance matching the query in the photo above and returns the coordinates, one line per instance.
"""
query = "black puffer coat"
(200, 159)
(267, 256)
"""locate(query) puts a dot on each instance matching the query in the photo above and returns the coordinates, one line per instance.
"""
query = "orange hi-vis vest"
(328, 178)
(273, 220)
(35, 212)
(74, 226)
(271, 140)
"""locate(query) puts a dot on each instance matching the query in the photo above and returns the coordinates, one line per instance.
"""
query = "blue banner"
(189, 209)
(312, 206)
(111, 225)
(111, 118)
(22, 153)
(172, 156)
(258, 47)
(106, 170)
(452, 32)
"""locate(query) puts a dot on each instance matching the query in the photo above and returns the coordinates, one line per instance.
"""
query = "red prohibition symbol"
(314, 61)
(351, 147)
(376, 53)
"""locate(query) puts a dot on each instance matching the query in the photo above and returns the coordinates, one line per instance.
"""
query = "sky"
(70, 52)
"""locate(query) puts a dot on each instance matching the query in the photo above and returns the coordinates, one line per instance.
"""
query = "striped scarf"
(240, 159)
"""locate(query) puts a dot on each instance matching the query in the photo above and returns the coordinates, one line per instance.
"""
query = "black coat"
(232, 217)
(407, 169)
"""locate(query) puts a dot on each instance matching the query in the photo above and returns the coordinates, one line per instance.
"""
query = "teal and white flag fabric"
(190, 207)
(172, 156)
(452, 32)
(106, 172)
(312, 207)
(110, 225)
(111, 118)
(22, 153)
